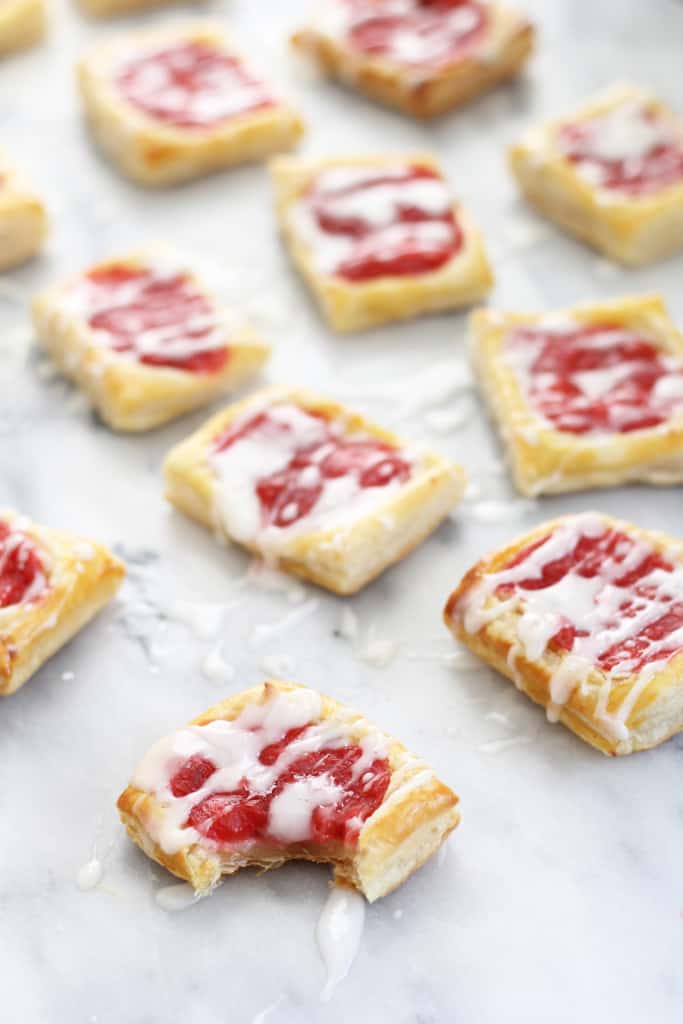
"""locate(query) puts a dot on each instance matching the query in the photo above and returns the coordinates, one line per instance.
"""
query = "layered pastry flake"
(306, 483)
(51, 584)
(379, 239)
(422, 56)
(281, 772)
(611, 174)
(585, 397)
(176, 103)
(145, 339)
(585, 615)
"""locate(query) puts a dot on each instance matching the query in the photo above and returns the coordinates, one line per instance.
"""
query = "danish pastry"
(305, 482)
(379, 238)
(590, 396)
(585, 615)
(175, 103)
(51, 584)
(23, 220)
(281, 772)
(145, 339)
(611, 174)
(22, 24)
(422, 57)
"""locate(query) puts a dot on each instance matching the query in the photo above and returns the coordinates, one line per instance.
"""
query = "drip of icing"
(278, 666)
(263, 631)
(90, 875)
(339, 932)
(216, 668)
(377, 650)
(205, 620)
(176, 897)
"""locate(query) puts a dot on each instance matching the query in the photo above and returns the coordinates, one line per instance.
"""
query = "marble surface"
(560, 896)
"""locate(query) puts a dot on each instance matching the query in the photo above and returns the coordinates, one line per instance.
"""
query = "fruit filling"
(596, 378)
(23, 577)
(362, 223)
(630, 149)
(192, 85)
(158, 317)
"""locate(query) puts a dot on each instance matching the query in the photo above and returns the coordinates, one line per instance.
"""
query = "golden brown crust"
(657, 713)
(23, 219)
(156, 154)
(465, 279)
(424, 94)
(548, 461)
(22, 24)
(631, 230)
(129, 395)
(342, 559)
(83, 577)
(417, 814)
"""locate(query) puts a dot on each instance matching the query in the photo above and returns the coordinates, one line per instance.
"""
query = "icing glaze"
(282, 470)
(275, 775)
(90, 875)
(157, 316)
(411, 33)
(339, 932)
(23, 575)
(630, 149)
(361, 223)
(609, 603)
(193, 85)
(596, 378)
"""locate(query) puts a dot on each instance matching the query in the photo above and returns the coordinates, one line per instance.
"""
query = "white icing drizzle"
(376, 649)
(268, 449)
(234, 748)
(216, 668)
(90, 875)
(173, 898)
(591, 604)
(339, 932)
(204, 620)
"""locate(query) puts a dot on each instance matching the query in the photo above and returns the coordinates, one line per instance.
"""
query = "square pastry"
(585, 397)
(281, 772)
(22, 23)
(145, 339)
(421, 56)
(585, 615)
(304, 482)
(23, 219)
(51, 584)
(379, 238)
(610, 173)
(175, 103)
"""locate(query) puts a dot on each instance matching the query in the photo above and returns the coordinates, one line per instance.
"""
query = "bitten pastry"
(585, 615)
(590, 396)
(611, 173)
(303, 481)
(279, 773)
(22, 24)
(23, 220)
(417, 55)
(51, 584)
(179, 102)
(145, 339)
(379, 238)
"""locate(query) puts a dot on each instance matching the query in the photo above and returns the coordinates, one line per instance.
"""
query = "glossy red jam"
(658, 166)
(417, 33)
(597, 378)
(161, 319)
(601, 557)
(415, 240)
(22, 575)
(191, 85)
(242, 815)
(294, 491)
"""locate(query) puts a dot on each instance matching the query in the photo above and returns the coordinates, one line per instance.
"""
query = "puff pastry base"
(83, 577)
(127, 394)
(632, 231)
(23, 218)
(545, 460)
(347, 557)
(596, 705)
(156, 154)
(22, 24)
(354, 306)
(417, 813)
(423, 92)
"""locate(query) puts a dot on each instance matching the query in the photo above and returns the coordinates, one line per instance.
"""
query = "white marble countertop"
(560, 896)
